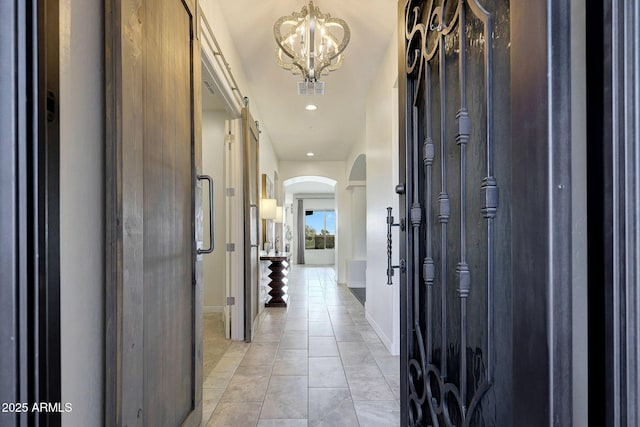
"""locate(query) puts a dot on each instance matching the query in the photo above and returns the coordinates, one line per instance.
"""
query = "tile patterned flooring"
(214, 343)
(316, 363)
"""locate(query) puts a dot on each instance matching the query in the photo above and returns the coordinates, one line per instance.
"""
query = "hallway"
(317, 363)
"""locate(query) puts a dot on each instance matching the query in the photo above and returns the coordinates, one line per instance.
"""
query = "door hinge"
(229, 138)
(231, 192)
(231, 300)
(231, 247)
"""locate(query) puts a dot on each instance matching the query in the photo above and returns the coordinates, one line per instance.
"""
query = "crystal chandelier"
(310, 43)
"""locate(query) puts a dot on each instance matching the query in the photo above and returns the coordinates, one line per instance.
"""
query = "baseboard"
(357, 285)
(213, 309)
(385, 340)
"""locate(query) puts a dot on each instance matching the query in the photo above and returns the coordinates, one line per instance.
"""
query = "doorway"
(310, 226)
(357, 262)
(216, 325)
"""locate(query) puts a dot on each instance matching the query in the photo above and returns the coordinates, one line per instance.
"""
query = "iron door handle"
(390, 224)
(211, 216)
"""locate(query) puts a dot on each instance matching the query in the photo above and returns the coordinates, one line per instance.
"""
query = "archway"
(357, 262)
(310, 220)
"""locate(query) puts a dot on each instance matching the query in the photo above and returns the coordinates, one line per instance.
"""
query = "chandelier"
(310, 43)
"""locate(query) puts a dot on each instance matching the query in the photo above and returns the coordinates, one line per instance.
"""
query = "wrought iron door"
(455, 247)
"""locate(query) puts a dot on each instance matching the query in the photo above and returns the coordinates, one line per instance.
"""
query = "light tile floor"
(214, 343)
(316, 363)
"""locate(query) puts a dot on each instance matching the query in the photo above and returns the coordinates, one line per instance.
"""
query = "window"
(320, 229)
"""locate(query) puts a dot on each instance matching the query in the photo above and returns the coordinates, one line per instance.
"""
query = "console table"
(279, 264)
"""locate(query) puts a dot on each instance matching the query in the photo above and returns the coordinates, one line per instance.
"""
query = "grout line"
(335, 301)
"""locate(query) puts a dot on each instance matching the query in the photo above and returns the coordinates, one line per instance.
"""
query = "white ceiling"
(338, 123)
(211, 101)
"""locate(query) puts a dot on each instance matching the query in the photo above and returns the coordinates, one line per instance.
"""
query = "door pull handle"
(211, 216)
(390, 268)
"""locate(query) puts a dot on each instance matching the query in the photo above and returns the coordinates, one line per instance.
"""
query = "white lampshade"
(279, 214)
(268, 209)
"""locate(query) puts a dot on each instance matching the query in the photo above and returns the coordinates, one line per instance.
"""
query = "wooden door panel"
(154, 344)
(168, 262)
(252, 217)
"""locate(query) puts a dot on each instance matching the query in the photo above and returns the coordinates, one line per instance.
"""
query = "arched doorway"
(310, 220)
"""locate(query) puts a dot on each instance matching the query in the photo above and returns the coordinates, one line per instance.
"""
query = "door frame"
(235, 228)
(213, 59)
(541, 226)
(30, 367)
(613, 180)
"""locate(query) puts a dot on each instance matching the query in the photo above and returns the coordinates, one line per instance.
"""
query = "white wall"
(320, 257)
(213, 146)
(336, 171)
(359, 148)
(82, 210)
(382, 306)
(359, 222)
(268, 159)
(357, 262)
(213, 15)
(269, 166)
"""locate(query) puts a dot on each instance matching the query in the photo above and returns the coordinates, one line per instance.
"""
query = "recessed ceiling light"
(310, 154)
(311, 107)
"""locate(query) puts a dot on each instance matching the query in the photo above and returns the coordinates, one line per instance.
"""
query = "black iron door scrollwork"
(455, 298)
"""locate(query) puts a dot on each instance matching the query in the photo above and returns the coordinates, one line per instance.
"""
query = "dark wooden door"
(251, 137)
(154, 288)
(455, 243)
